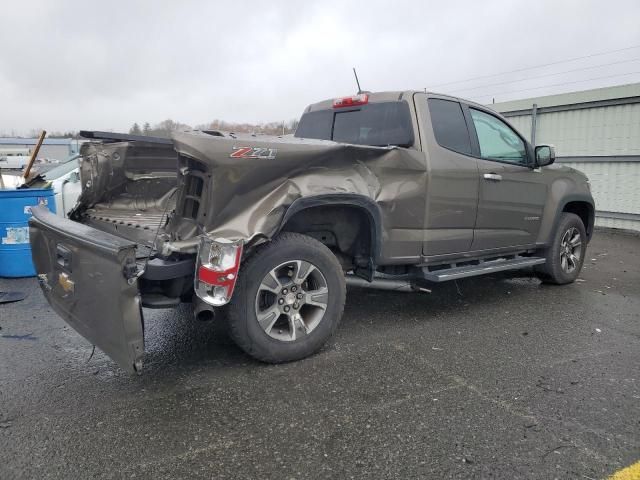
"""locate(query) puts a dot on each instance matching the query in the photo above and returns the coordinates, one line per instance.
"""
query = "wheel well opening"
(584, 211)
(345, 230)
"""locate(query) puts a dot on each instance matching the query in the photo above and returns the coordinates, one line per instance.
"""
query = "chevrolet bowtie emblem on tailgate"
(66, 283)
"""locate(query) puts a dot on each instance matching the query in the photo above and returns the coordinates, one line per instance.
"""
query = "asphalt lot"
(497, 377)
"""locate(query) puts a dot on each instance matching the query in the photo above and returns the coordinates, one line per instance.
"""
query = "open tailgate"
(89, 278)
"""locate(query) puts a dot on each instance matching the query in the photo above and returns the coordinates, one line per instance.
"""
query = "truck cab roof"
(390, 96)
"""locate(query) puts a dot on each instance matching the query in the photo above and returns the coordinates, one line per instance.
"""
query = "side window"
(449, 125)
(315, 125)
(497, 140)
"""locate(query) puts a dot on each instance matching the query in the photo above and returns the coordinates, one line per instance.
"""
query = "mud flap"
(89, 278)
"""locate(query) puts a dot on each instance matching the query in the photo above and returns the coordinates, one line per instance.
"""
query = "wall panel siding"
(522, 123)
(617, 223)
(611, 130)
(592, 131)
(615, 186)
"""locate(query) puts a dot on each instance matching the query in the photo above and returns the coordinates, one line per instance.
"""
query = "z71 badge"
(254, 152)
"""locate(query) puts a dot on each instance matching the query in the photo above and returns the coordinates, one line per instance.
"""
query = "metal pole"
(534, 114)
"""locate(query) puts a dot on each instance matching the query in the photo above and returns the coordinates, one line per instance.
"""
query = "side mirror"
(545, 155)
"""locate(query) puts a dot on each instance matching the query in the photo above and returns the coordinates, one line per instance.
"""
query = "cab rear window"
(376, 124)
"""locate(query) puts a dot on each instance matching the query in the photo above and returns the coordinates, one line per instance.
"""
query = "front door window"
(497, 140)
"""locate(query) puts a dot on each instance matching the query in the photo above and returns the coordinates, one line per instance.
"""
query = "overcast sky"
(103, 65)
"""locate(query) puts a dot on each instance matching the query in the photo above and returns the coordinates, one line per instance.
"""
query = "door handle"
(492, 176)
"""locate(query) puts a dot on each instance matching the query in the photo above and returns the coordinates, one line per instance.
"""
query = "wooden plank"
(34, 154)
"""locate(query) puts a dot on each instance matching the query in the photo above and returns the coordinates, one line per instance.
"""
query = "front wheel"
(288, 300)
(566, 253)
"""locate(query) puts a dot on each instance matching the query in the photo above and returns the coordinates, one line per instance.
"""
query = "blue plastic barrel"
(15, 210)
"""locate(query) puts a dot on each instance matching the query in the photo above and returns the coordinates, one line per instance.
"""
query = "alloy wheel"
(570, 250)
(291, 300)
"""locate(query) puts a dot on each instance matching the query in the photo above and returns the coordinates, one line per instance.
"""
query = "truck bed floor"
(148, 220)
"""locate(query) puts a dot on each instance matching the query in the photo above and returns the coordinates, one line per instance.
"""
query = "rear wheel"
(289, 299)
(565, 256)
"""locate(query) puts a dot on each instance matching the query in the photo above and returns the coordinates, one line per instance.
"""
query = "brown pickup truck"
(388, 190)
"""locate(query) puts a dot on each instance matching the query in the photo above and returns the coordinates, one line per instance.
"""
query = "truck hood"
(568, 170)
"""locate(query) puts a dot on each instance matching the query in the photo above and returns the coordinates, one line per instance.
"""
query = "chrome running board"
(480, 268)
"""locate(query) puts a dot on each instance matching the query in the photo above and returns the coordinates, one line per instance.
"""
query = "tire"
(569, 238)
(314, 298)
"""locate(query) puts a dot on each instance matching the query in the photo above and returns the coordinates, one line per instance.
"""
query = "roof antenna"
(357, 81)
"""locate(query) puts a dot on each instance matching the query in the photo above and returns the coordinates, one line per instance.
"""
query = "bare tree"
(135, 129)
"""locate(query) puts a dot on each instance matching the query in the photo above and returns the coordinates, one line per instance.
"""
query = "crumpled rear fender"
(248, 198)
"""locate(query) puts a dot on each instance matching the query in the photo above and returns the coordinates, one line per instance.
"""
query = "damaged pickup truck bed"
(389, 190)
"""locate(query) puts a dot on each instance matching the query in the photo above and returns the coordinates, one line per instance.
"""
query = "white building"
(51, 149)
(596, 131)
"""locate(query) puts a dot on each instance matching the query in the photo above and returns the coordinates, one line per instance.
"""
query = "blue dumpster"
(15, 210)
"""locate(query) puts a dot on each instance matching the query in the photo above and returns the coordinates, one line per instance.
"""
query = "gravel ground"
(495, 377)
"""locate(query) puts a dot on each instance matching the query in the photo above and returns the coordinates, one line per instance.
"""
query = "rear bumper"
(159, 269)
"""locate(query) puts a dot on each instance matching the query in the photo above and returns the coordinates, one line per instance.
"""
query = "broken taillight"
(217, 270)
(353, 101)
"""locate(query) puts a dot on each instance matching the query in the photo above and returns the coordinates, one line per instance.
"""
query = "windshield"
(376, 124)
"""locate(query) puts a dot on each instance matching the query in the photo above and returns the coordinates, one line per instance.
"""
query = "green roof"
(585, 96)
